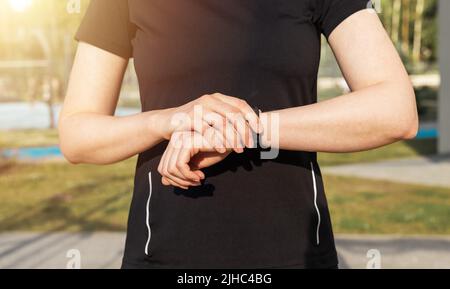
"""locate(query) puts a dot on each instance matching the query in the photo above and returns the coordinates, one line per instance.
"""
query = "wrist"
(269, 136)
(158, 122)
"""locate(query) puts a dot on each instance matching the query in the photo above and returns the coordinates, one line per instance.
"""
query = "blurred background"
(390, 207)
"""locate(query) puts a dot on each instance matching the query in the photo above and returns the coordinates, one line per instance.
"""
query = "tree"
(429, 33)
(399, 16)
(396, 14)
(405, 26)
(42, 32)
(418, 25)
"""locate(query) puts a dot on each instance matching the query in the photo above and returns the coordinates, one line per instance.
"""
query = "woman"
(207, 206)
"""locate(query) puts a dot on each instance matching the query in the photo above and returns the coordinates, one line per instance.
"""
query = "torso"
(250, 212)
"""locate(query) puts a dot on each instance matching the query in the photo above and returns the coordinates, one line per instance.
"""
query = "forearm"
(362, 120)
(101, 139)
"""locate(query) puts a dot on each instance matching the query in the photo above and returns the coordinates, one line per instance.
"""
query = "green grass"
(403, 149)
(63, 197)
(28, 138)
(377, 207)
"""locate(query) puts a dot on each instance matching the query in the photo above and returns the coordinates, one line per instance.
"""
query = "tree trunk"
(51, 114)
(405, 27)
(386, 16)
(418, 25)
(395, 28)
(47, 96)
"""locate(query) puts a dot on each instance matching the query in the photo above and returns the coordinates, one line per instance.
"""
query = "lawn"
(377, 207)
(404, 149)
(62, 197)
(56, 196)
(28, 138)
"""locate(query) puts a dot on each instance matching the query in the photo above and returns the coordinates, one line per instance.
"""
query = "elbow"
(409, 129)
(406, 121)
(68, 145)
(72, 158)
(76, 153)
(70, 153)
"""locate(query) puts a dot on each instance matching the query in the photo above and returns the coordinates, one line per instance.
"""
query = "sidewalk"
(104, 250)
(431, 171)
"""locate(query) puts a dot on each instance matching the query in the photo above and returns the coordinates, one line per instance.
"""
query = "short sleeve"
(106, 25)
(329, 14)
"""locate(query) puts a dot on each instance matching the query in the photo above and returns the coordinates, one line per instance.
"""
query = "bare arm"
(381, 108)
(90, 133)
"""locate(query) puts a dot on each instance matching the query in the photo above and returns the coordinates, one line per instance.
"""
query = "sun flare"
(20, 5)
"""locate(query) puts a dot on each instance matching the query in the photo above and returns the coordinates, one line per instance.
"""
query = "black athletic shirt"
(250, 213)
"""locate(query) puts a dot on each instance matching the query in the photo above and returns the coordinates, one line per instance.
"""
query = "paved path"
(34, 250)
(104, 250)
(433, 171)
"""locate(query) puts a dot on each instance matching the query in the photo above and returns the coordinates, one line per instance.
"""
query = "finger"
(162, 161)
(169, 182)
(186, 170)
(165, 181)
(238, 127)
(248, 112)
(166, 162)
(178, 161)
(233, 116)
(180, 182)
(183, 166)
(173, 169)
(165, 158)
(216, 140)
(200, 174)
(208, 119)
(206, 142)
(243, 129)
(201, 129)
(233, 137)
(186, 156)
(219, 122)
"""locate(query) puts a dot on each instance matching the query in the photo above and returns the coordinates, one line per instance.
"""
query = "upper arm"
(105, 36)
(95, 81)
(365, 52)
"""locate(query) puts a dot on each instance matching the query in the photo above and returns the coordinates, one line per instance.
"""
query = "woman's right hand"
(232, 118)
